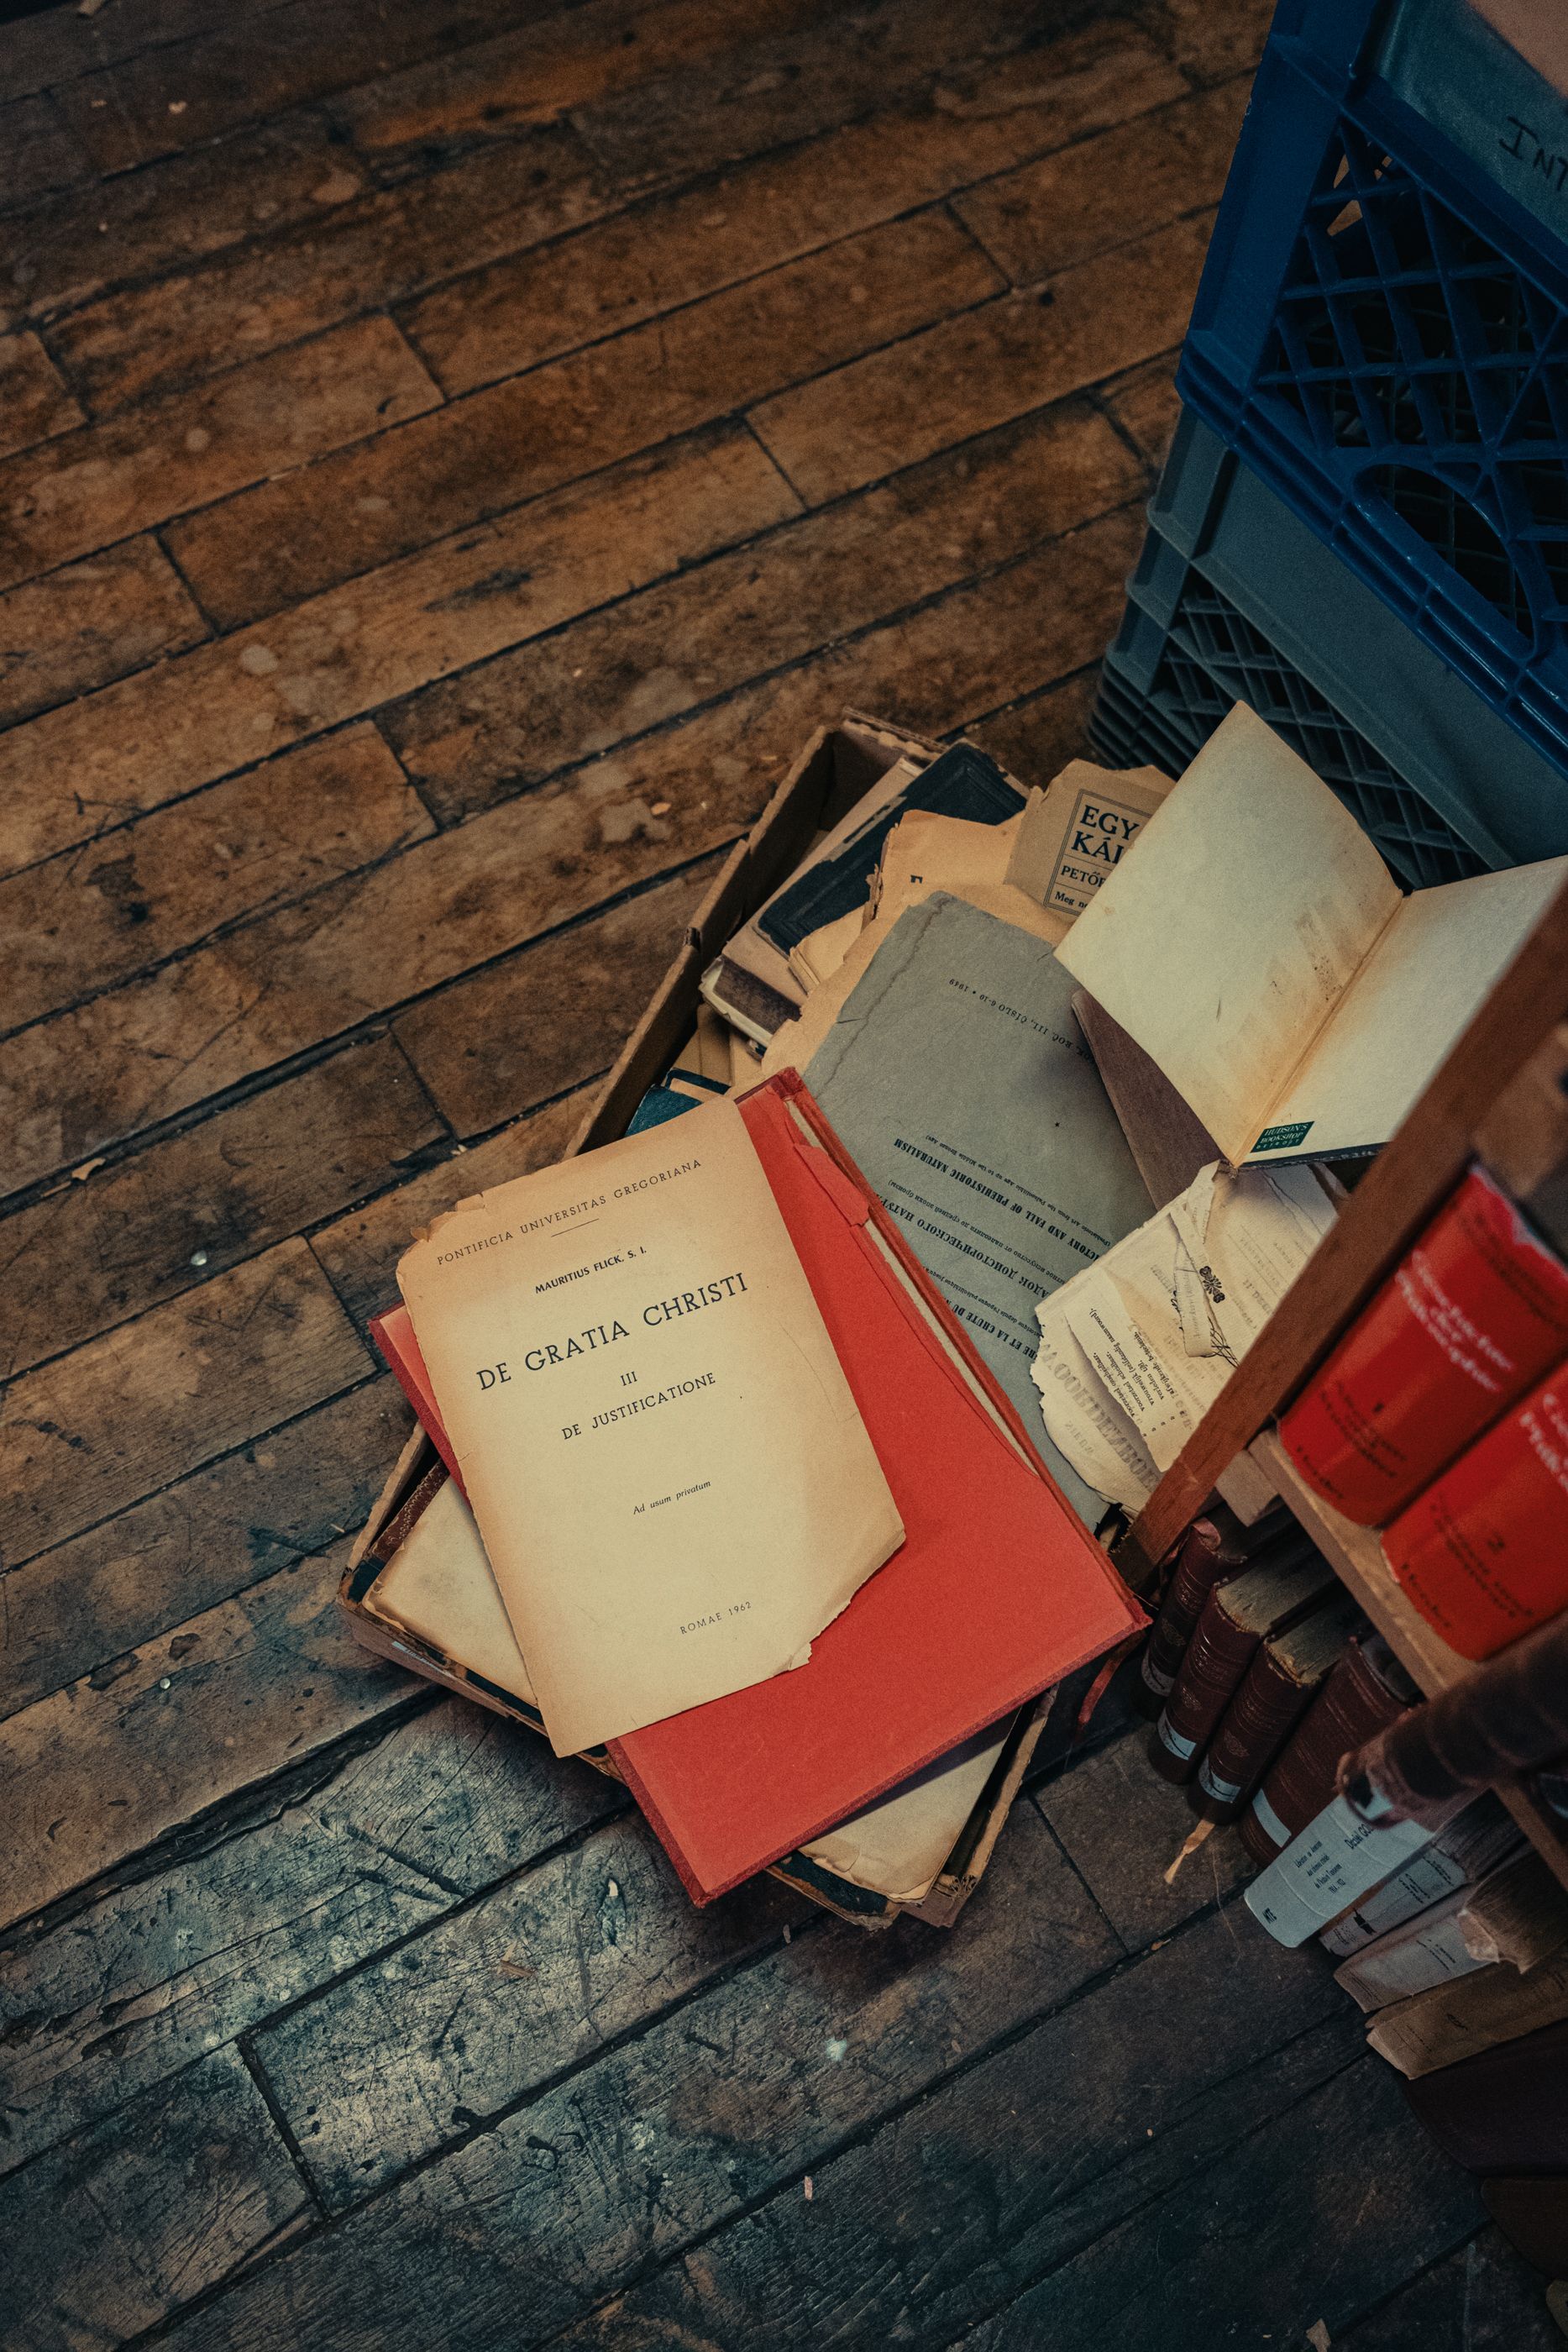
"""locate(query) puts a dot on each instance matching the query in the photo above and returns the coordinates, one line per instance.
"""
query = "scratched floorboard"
(451, 454)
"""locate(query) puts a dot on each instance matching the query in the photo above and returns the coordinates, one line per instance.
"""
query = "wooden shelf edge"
(1357, 1556)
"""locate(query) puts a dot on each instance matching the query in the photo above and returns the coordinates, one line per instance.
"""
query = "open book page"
(1228, 932)
(669, 1470)
(1422, 983)
(898, 1846)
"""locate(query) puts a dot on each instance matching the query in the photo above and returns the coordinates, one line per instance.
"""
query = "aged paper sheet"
(669, 1471)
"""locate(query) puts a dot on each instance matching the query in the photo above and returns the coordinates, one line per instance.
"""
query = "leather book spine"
(1483, 1553)
(1203, 1560)
(1258, 1719)
(1217, 1657)
(1469, 1321)
(1357, 1700)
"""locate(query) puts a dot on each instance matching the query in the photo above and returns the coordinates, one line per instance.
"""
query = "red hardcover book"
(393, 1335)
(996, 1593)
(1483, 1553)
(1469, 1321)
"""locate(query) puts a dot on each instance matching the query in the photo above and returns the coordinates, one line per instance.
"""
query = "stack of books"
(769, 1444)
(730, 1474)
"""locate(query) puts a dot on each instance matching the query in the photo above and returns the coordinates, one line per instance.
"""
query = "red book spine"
(1466, 1325)
(1483, 1553)
(1202, 1561)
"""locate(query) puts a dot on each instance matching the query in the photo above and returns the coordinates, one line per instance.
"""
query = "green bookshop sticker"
(1283, 1139)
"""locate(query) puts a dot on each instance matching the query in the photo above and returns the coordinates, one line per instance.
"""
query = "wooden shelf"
(1357, 1556)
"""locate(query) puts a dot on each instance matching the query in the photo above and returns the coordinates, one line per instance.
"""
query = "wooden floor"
(454, 450)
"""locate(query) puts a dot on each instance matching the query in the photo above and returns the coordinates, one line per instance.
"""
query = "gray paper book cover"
(960, 1083)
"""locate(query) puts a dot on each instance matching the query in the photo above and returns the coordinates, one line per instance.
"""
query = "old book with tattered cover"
(671, 1473)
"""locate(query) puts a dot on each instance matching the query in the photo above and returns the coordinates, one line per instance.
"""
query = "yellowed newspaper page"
(1421, 985)
(1230, 930)
(668, 1468)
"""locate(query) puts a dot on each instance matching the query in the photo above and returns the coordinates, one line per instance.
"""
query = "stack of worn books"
(767, 1443)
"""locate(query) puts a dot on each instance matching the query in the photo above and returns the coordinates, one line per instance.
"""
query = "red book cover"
(996, 1593)
(1468, 1322)
(393, 1335)
(1483, 1553)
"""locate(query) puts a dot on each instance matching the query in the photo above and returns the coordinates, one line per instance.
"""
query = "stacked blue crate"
(1381, 336)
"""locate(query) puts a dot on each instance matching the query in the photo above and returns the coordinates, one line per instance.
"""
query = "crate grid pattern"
(1213, 657)
(1403, 333)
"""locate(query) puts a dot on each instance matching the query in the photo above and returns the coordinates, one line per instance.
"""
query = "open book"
(1254, 943)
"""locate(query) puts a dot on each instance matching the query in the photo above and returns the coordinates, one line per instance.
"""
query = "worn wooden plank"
(81, 626)
(288, 1493)
(57, 44)
(803, 83)
(57, 254)
(753, 2079)
(309, 973)
(34, 402)
(972, 371)
(536, 73)
(1481, 2299)
(90, 1255)
(369, 251)
(484, 2008)
(99, 1770)
(477, 738)
(298, 537)
(186, 1957)
(1086, 199)
(1037, 736)
(1319, 2215)
(952, 2206)
(96, 914)
(1122, 1827)
(86, 490)
(361, 1251)
(680, 247)
(37, 151)
(547, 1019)
(91, 1433)
(112, 2232)
(258, 63)
(133, 746)
(1214, 38)
(1143, 403)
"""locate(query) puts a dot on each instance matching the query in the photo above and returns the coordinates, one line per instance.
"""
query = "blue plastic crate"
(1382, 333)
(1235, 600)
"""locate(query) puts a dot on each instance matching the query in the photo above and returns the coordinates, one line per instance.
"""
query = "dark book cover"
(1215, 1546)
(1366, 1690)
(1505, 2110)
(1531, 2211)
(1237, 1617)
(1274, 1694)
(963, 782)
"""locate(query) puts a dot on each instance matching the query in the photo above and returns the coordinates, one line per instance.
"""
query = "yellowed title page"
(668, 1468)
